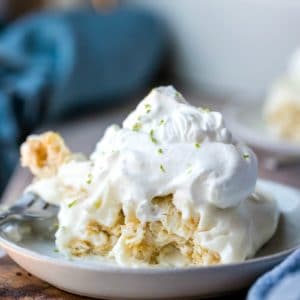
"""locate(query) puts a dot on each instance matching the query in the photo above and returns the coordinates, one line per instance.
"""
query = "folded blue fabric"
(282, 283)
(58, 63)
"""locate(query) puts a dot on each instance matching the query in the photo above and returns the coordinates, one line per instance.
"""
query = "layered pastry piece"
(282, 107)
(168, 188)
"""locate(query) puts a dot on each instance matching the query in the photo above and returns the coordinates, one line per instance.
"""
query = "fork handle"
(4, 216)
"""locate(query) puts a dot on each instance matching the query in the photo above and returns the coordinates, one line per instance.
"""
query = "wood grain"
(15, 283)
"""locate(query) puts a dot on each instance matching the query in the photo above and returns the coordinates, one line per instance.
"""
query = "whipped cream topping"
(182, 150)
(167, 146)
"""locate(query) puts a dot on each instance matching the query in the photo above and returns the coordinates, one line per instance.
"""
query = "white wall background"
(230, 46)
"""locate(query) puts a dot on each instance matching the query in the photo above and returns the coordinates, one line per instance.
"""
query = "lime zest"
(177, 94)
(197, 145)
(152, 138)
(160, 151)
(89, 179)
(98, 203)
(73, 203)
(204, 109)
(147, 107)
(162, 168)
(189, 168)
(246, 155)
(136, 126)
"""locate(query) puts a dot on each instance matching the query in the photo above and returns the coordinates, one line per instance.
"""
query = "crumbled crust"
(152, 242)
(43, 154)
(80, 247)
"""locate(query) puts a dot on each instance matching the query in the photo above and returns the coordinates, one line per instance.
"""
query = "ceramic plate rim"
(6, 244)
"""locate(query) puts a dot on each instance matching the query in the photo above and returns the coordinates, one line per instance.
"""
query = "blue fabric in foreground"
(283, 282)
(58, 63)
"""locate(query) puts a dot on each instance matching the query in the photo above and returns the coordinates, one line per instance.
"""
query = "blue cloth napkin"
(282, 283)
(60, 63)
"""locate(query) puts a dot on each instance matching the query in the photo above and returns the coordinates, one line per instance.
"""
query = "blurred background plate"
(247, 124)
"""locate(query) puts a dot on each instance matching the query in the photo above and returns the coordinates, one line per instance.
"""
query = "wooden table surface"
(81, 135)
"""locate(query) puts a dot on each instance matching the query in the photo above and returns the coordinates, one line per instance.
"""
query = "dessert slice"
(168, 188)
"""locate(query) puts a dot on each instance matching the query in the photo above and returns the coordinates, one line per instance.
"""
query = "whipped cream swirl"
(180, 150)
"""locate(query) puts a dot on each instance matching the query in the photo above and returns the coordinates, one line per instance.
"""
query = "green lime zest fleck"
(98, 203)
(152, 138)
(189, 168)
(148, 108)
(136, 126)
(89, 179)
(177, 94)
(162, 168)
(161, 122)
(246, 155)
(204, 109)
(197, 145)
(160, 151)
(73, 203)
(55, 250)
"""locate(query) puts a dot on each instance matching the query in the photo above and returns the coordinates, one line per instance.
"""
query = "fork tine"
(27, 199)
(38, 203)
(46, 205)
(30, 203)
(30, 206)
(40, 208)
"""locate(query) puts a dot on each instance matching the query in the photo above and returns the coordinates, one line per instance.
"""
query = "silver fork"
(29, 207)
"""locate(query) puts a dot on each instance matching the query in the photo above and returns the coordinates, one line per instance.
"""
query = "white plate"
(246, 123)
(107, 281)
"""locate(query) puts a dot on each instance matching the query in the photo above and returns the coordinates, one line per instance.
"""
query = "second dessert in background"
(282, 108)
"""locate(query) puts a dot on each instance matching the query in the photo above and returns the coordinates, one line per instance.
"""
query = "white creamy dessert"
(282, 108)
(168, 188)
